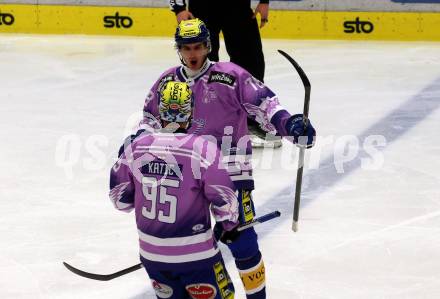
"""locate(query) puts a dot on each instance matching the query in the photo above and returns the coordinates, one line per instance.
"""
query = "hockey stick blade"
(107, 277)
(299, 174)
(304, 79)
(102, 277)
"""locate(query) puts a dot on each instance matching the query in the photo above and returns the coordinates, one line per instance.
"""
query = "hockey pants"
(210, 282)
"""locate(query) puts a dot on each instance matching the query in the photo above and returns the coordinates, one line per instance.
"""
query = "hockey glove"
(226, 237)
(303, 137)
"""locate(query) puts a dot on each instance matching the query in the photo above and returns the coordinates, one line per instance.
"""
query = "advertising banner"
(311, 19)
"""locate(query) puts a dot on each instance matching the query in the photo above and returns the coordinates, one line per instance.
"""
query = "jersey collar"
(189, 76)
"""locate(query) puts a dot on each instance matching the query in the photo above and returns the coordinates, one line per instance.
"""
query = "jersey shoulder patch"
(220, 77)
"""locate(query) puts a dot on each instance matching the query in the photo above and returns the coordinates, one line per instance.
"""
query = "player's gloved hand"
(303, 137)
(225, 236)
(128, 141)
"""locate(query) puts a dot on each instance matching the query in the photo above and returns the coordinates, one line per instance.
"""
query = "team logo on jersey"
(162, 290)
(201, 291)
(209, 95)
(222, 78)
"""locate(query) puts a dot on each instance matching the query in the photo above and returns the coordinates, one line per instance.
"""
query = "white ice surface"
(363, 233)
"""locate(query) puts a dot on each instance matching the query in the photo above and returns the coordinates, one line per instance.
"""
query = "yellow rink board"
(59, 19)
(283, 24)
(354, 25)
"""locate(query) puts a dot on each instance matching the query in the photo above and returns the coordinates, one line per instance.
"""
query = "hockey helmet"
(176, 102)
(192, 31)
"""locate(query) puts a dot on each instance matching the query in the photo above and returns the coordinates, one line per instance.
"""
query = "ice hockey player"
(242, 41)
(172, 180)
(225, 96)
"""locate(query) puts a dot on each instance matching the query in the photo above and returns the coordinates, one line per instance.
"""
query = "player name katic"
(161, 168)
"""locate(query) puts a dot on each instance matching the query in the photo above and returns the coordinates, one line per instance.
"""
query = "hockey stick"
(258, 220)
(299, 173)
(102, 277)
(106, 277)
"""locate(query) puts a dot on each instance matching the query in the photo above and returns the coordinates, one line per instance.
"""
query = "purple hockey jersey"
(225, 96)
(173, 181)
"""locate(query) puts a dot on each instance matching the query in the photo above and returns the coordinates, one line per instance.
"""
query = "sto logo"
(6, 19)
